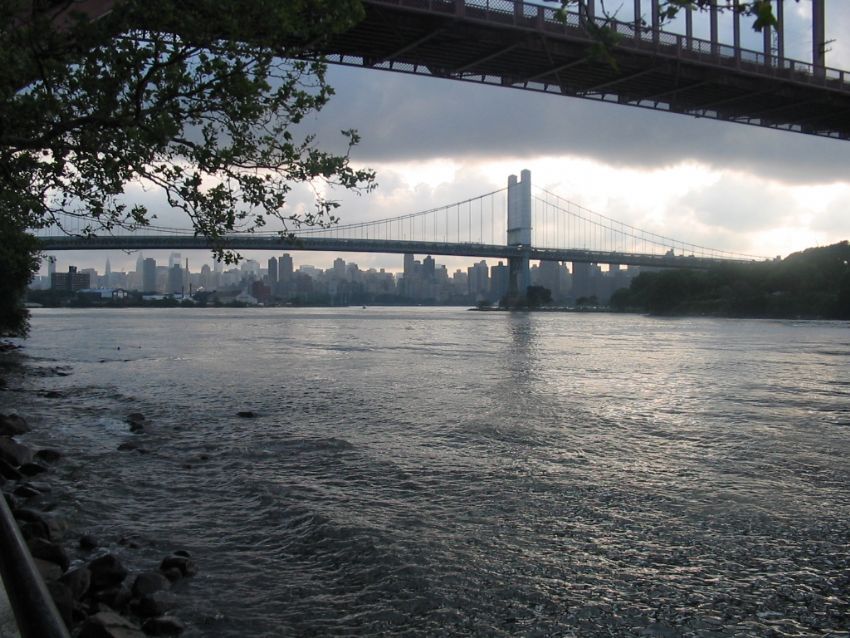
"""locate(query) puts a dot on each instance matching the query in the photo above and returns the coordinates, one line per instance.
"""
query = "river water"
(433, 471)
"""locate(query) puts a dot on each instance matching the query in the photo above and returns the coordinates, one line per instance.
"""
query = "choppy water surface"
(437, 471)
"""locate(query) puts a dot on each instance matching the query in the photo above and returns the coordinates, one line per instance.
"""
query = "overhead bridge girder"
(519, 45)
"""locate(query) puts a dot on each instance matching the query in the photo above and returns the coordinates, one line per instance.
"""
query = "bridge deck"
(525, 46)
(331, 244)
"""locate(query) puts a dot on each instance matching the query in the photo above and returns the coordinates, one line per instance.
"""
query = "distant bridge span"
(331, 244)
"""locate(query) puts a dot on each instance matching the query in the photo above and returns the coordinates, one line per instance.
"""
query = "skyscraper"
(273, 274)
(175, 279)
(149, 276)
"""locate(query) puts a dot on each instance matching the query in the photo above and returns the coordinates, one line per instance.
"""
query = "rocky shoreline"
(96, 595)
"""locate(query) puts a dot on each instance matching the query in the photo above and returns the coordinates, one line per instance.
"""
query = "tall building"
(273, 274)
(149, 276)
(284, 268)
(409, 266)
(51, 267)
(284, 275)
(70, 281)
(499, 281)
(428, 268)
(107, 275)
(175, 279)
(478, 280)
(549, 277)
(174, 258)
(339, 268)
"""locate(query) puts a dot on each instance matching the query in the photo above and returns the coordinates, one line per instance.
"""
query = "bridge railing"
(548, 19)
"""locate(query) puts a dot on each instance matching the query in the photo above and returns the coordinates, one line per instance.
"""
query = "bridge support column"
(818, 37)
(519, 232)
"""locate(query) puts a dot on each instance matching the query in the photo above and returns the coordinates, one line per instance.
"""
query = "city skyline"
(727, 186)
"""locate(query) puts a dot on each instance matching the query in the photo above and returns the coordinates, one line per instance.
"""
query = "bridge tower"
(519, 231)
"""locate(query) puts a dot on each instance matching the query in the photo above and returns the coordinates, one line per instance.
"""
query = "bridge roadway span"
(331, 244)
(515, 44)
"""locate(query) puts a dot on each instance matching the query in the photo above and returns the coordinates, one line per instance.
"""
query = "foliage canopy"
(201, 100)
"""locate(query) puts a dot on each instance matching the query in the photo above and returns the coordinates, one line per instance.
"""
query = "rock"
(48, 570)
(246, 414)
(34, 529)
(136, 417)
(172, 573)
(163, 626)
(42, 526)
(32, 469)
(117, 598)
(78, 581)
(53, 394)
(26, 491)
(88, 542)
(48, 455)
(182, 552)
(63, 599)
(129, 445)
(13, 452)
(149, 582)
(186, 566)
(8, 471)
(12, 424)
(137, 422)
(108, 624)
(155, 604)
(106, 571)
(29, 516)
(128, 542)
(52, 552)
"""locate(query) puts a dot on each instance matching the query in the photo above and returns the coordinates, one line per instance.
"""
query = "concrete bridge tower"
(519, 231)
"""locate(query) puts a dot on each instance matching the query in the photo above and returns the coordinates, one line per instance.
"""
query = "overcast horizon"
(433, 142)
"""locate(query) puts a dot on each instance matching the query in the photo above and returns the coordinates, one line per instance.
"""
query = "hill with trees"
(812, 284)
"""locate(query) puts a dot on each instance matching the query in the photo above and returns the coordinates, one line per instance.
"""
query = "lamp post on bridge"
(519, 232)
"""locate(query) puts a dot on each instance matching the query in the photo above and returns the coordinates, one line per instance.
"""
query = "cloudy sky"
(727, 186)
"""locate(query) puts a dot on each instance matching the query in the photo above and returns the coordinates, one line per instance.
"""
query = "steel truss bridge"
(517, 44)
(476, 227)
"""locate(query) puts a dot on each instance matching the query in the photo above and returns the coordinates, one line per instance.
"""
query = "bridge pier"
(519, 232)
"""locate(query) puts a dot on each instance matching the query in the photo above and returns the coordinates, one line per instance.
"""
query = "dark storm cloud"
(404, 118)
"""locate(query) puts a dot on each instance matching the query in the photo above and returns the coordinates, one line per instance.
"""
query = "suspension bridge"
(517, 223)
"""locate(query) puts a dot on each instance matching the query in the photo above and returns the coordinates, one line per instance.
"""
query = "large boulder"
(106, 571)
(184, 564)
(13, 452)
(48, 570)
(48, 455)
(155, 604)
(53, 552)
(115, 598)
(8, 471)
(163, 626)
(32, 469)
(108, 624)
(63, 599)
(78, 581)
(12, 424)
(148, 583)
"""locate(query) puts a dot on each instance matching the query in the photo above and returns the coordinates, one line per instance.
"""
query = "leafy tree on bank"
(199, 100)
(814, 283)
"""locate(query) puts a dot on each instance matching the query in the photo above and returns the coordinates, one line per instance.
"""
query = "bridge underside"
(329, 244)
(525, 46)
